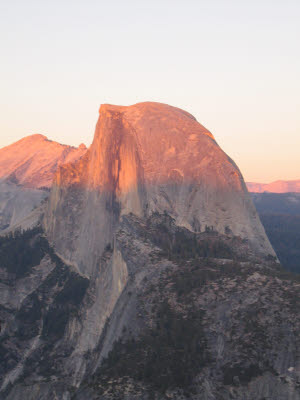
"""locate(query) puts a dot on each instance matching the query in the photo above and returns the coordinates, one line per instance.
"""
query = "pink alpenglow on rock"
(33, 160)
(146, 158)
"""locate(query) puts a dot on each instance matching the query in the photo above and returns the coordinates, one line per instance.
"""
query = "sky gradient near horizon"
(233, 64)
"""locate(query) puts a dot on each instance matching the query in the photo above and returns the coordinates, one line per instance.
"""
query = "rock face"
(147, 158)
(275, 187)
(33, 160)
(17, 203)
(193, 328)
(151, 276)
(27, 168)
(188, 323)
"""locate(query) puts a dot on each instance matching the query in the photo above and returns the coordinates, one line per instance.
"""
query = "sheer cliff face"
(147, 158)
(33, 160)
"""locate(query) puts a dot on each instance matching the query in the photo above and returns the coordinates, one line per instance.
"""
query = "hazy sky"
(235, 65)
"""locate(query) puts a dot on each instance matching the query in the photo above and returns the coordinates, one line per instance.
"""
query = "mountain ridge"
(148, 276)
(145, 158)
(279, 186)
(32, 161)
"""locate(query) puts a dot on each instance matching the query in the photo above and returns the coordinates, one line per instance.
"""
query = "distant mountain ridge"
(279, 186)
(33, 160)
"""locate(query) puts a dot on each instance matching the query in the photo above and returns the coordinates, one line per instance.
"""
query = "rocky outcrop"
(147, 277)
(171, 314)
(33, 160)
(147, 158)
(189, 327)
(40, 300)
(27, 168)
(275, 187)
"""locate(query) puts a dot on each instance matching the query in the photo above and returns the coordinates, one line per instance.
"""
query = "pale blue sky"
(235, 65)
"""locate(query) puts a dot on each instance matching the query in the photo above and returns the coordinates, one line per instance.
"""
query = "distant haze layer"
(275, 187)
